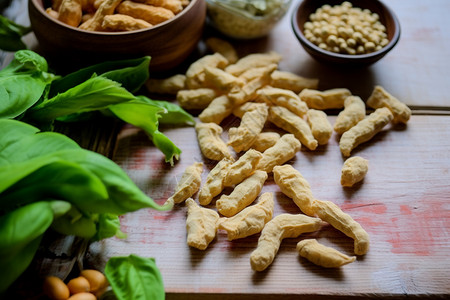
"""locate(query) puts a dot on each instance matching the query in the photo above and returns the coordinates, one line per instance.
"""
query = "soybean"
(346, 29)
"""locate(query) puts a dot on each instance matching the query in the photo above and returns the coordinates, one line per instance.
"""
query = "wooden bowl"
(387, 17)
(168, 43)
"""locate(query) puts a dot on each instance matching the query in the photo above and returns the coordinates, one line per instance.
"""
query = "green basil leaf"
(145, 116)
(11, 35)
(24, 224)
(21, 231)
(12, 132)
(125, 196)
(108, 225)
(131, 73)
(133, 76)
(17, 263)
(94, 94)
(19, 141)
(36, 145)
(135, 277)
(13, 172)
(63, 180)
(58, 160)
(26, 61)
(26, 70)
(11, 42)
(174, 115)
(75, 223)
(78, 117)
(15, 99)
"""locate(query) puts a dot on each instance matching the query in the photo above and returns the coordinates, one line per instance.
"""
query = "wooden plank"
(403, 203)
(416, 71)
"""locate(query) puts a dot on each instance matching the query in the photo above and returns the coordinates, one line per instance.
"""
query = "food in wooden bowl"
(70, 42)
(350, 33)
(246, 19)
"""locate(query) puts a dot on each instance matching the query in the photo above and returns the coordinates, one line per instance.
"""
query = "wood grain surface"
(403, 203)
(416, 71)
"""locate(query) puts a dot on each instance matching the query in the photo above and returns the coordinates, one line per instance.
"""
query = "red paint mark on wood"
(138, 160)
(374, 208)
(159, 217)
(405, 210)
(158, 163)
(371, 223)
(419, 233)
(405, 242)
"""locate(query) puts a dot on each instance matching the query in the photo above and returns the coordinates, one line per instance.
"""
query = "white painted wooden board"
(403, 203)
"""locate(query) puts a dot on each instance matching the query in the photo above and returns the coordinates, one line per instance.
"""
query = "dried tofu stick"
(174, 6)
(196, 98)
(70, 12)
(365, 130)
(322, 255)
(243, 194)
(87, 22)
(240, 110)
(252, 123)
(284, 149)
(265, 140)
(220, 108)
(119, 22)
(87, 6)
(320, 126)
(195, 74)
(87, 17)
(211, 144)
(56, 4)
(201, 225)
(285, 98)
(329, 99)
(151, 14)
(354, 111)
(97, 3)
(107, 7)
(188, 185)
(54, 14)
(249, 91)
(223, 47)
(381, 98)
(254, 60)
(354, 170)
(242, 168)
(331, 213)
(214, 181)
(259, 72)
(170, 85)
(287, 120)
(220, 80)
(294, 185)
(292, 82)
(250, 220)
(281, 227)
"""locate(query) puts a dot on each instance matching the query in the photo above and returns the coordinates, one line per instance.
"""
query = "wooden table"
(403, 203)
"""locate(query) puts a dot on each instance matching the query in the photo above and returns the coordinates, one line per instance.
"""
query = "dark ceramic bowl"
(168, 43)
(387, 17)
